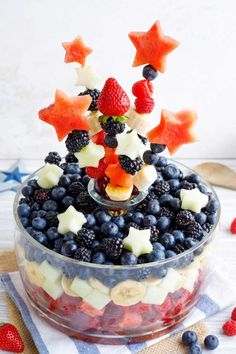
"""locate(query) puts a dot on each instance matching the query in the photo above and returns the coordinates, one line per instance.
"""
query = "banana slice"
(94, 124)
(96, 284)
(66, 286)
(128, 292)
(33, 273)
(151, 282)
(117, 193)
(140, 122)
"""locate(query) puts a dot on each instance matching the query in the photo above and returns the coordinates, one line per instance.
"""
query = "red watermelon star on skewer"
(76, 51)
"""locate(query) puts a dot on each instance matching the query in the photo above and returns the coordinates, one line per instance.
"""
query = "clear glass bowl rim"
(36, 244)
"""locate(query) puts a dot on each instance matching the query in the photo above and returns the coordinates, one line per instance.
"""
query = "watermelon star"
(76, 51)
(66, 113)
(152, 47)
(174, 129)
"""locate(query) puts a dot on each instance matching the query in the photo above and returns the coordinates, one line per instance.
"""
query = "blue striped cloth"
(50, 341)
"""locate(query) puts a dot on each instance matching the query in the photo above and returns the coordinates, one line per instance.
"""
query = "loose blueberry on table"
(109, 142)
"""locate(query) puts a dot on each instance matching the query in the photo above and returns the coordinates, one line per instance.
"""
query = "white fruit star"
(129, 145)
(138, 241)
(90, 155)
(49, 176)
(71, 220)
(87, 77)
(193, 199)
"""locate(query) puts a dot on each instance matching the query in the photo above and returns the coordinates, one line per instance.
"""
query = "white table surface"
(225, 255)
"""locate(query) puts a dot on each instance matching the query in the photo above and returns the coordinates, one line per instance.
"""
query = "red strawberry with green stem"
(10, 339)
(113, 101)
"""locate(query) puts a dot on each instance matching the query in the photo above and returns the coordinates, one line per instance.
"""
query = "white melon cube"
(97, 299)
(81, 287)
(155, 295)
(172, 281)
(50, 272)
(145, 177)
(54, 289)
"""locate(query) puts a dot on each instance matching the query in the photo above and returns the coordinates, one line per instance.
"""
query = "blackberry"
(94, 94)
(166, 212)
(187, 185)
(84, 202)
(194, 230)
(75, 188)
(207, 227)
(142, 274)
(51, 218)
(154, 234)
(151, 195)
(76, 140)
(183, 218)
(161, 187)
(85, 237)
(70, 158)
(64, 166)
(53, 158)
(178, 248)
(83, 254)
(112, 248)
(130, 166)
(42, 195)
(26, 200)
(113, 126)
(134, 225)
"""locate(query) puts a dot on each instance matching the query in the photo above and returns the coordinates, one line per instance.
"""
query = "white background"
(201, 72)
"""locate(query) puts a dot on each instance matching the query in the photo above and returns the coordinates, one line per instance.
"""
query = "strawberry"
(229, 328)
(233, 227)
(144, 105)
(99, 138)
(113, 101)
(233, 314)
(142, 89)
(10, 339)
(97, 172)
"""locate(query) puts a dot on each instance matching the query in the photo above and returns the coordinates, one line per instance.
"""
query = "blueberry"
(161, 162)
(159, 177)
(171, 171)
(67, 201)
(41, 213)
(212, 206)
(102, 217)
(203, 188)
(167, 240)
(128, 216)
(128, 258)
(91, 221)
(170, 254)
(153, 207)
(195, 348)
(156, 255)
(69, 270)
(25, 221)
(157, 148)
(200, 218)
(119, 221)
(165, 199)
(50, 205)
(23, 210)
(159, 272)
(34, 214)
(39, 223)
(190, 242)
(120, 234)
(150, 158)
(149, 220)
(193, 178)
(137, 217)
(72, 168)
(179, 236)
(111, 141)
(30, 230)
(40, 237)
(98, 257)
(35, 206)
(33, 183)
(27, 191)
(84, 273)
(86, 179)
(149, 73)
(39, 255)
(75, 178)
(110, 282)
(52, 233)
(57, 245)
(64, 181)
(157, 246)
(189, 337)
(211, 218)
(58, 193)
(109, 229)
(163, 223)
(69, 236)
(96, 245)
(175, 204)
(211, 342)
(174, 184)
(68, 248)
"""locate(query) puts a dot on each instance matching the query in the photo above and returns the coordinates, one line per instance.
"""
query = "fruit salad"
(113, 239)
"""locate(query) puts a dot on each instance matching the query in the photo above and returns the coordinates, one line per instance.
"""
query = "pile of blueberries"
(172, 230)
(190, 339)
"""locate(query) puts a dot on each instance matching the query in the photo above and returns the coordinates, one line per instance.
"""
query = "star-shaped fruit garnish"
(174, 129)
(66, 114)
(49, 175)
(129, 144)
(70, 221)
(138, 241)
(76, 51)
(90, 155)
(193, 200)
(87, 77)
(152, 47)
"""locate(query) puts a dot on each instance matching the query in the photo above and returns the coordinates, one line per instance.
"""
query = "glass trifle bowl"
(114, 304)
